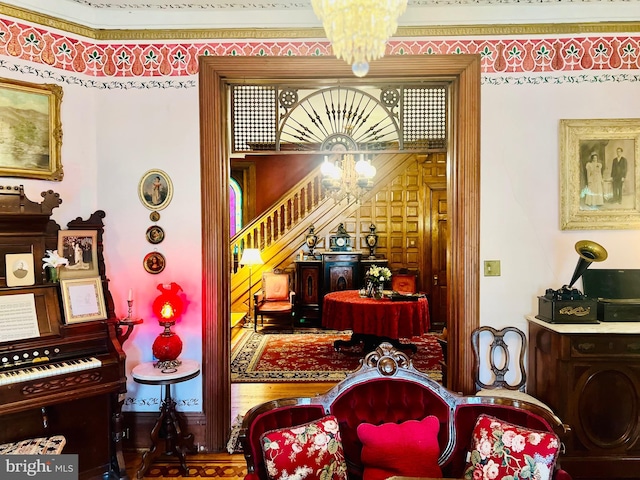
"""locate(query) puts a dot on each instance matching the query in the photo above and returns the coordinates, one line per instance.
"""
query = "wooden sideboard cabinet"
(341, 271)
(317, 277)
(590, 375)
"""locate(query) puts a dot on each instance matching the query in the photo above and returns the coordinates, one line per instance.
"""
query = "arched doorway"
(463, 73)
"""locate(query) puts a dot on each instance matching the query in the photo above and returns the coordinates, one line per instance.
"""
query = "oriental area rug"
(310, 357)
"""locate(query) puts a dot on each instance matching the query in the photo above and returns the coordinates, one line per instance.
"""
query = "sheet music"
(18, 317)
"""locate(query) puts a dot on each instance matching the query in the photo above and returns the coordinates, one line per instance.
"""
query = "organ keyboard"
(48, 370)
(69, 380)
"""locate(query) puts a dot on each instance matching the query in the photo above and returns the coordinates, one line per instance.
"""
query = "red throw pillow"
(311, 451)
(503, 450)
(409, 449)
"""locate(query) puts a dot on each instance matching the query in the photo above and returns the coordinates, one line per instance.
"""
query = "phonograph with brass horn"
(567, 304)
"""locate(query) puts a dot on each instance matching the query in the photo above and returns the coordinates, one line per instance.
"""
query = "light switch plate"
(492, 268)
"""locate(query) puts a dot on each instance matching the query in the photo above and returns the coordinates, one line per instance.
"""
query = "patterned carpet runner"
(310, 357)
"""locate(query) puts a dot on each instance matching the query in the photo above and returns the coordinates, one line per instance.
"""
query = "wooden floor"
(214, 465)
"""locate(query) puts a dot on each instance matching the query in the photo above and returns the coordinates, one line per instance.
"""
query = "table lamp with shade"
(168, 307)
(251, 257)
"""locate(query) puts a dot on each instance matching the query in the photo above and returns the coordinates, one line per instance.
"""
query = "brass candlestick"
(129, 322)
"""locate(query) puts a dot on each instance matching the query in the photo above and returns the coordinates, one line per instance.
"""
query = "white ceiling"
(220, 14)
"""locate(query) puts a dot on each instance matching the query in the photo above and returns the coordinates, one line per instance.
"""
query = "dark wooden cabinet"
(341, 271)
(590, 376)
(308, 292)
(315, 278)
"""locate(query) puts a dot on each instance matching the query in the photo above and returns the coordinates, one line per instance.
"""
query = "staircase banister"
(296, 189)
(283, 252)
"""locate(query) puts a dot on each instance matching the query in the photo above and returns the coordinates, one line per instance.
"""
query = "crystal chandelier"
(346, 178)
(359, 29)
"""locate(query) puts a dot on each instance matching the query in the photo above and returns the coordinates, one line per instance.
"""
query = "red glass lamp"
(167, 307)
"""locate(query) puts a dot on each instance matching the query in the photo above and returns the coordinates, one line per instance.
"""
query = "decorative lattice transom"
(343, 118)
(254, 114)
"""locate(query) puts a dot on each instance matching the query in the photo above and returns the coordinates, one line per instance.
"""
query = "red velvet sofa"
(387, 388)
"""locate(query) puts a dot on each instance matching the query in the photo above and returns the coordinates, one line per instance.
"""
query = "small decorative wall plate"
(154, 216)
(155, 190)
(155, 234)
(154, 262)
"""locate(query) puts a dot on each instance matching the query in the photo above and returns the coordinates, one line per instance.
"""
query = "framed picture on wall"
(599, 175)
(155, 190)
(79, 247)
(32, 142)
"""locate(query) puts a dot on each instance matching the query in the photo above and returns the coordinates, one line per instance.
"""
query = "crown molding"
(311, 32)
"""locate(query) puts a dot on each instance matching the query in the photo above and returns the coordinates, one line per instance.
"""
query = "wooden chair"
(275, 299)
(404, 281)
(498, 360)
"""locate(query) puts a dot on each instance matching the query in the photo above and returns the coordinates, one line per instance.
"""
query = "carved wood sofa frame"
(387, 388)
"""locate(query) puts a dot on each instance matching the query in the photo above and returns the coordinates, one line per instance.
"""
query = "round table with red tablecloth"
(375, 320)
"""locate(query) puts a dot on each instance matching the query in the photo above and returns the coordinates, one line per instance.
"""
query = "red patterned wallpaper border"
(155, 59)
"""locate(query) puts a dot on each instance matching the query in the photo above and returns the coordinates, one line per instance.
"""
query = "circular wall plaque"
(154, 216)
(154, 262)
(155, 234)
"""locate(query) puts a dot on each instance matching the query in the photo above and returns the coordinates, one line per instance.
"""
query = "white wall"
(142, 130)
(112, 136)
(520, 197)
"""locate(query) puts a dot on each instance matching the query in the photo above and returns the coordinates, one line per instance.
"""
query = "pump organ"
(70, 379)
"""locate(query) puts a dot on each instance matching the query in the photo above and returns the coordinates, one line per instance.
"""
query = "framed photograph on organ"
(20, 271)
(83, 300)
(32, 134)
(599, 175)
(79, 247)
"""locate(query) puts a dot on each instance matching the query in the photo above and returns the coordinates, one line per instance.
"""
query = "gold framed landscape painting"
(599, 175)
(31, 143)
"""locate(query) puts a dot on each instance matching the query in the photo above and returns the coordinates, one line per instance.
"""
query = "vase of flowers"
(374, 279)
(52, 263)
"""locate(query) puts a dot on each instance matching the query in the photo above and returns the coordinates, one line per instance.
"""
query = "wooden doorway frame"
(463, 202)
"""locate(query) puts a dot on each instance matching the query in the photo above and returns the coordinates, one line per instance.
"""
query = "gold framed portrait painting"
(155, 190)
(599, 176)
(32, 142)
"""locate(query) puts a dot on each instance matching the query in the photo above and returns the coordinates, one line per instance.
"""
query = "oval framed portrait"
(155, 234)
(155, 190)
(154, 262)
(154, 216)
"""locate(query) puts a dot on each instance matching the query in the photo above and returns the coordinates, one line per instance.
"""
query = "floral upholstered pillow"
(504, 451)
(310, 451)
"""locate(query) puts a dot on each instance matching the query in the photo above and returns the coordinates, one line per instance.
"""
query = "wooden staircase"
(280, 232)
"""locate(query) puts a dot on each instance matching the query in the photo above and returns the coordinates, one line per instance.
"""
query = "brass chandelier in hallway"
(346, 178)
